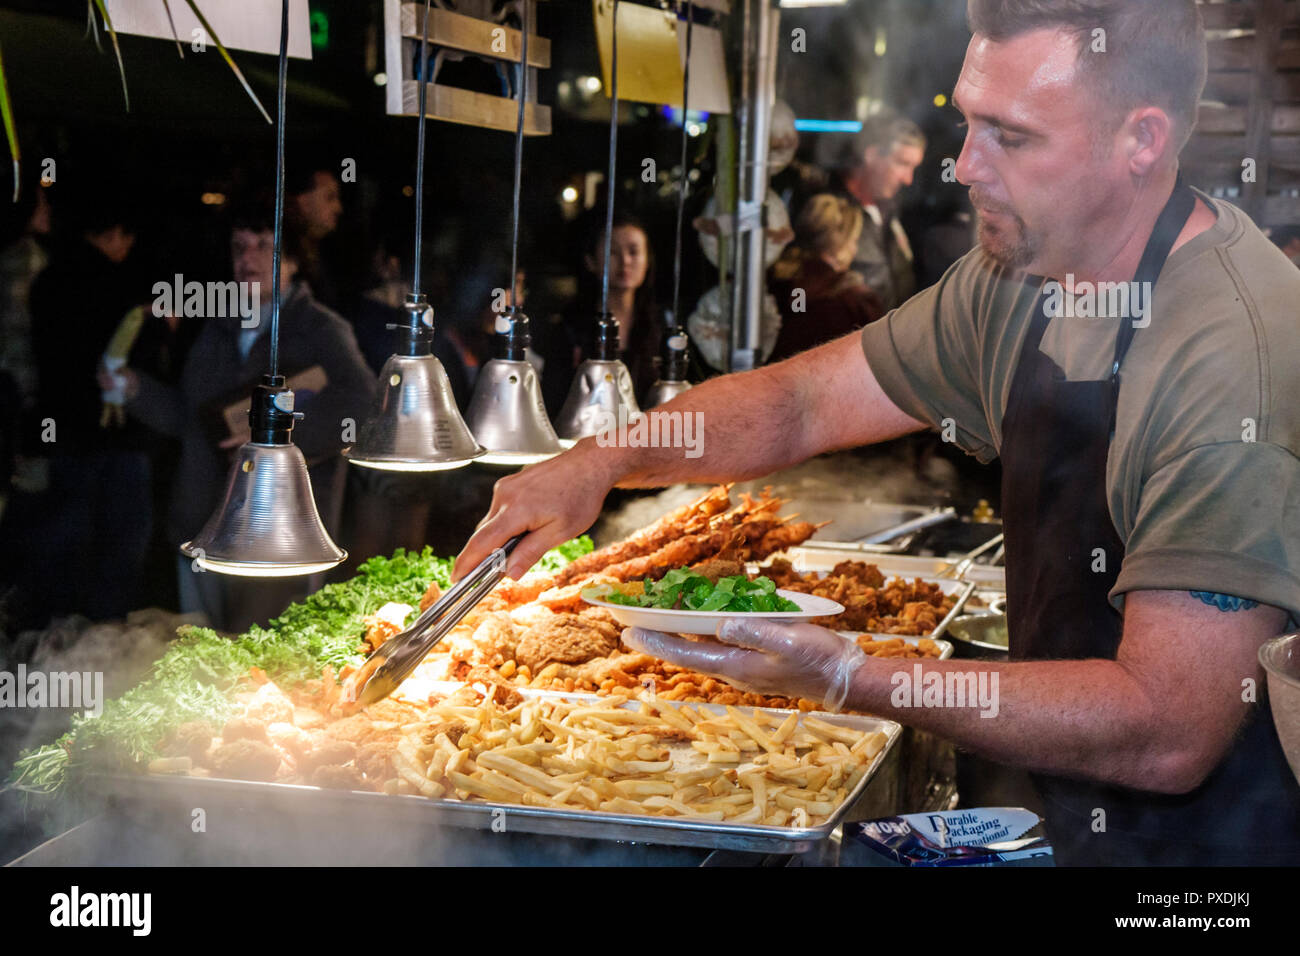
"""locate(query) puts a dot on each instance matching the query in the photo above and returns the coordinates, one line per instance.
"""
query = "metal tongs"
(394, 660)
(960, 568)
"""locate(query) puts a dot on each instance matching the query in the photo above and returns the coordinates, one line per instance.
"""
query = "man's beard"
(1008, 242)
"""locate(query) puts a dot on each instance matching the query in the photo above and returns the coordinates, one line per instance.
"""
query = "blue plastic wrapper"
(987, 836)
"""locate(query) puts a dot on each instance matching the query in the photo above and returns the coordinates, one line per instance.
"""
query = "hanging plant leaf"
(179, 49)
(226, 56)
(117, 50)
(11, 132)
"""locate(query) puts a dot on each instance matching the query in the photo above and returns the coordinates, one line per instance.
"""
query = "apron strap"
(1168, 227)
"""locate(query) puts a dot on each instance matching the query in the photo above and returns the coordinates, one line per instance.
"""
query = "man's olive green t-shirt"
(1203, 478)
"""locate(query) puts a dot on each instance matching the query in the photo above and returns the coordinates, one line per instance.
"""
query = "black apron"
(1056, 437)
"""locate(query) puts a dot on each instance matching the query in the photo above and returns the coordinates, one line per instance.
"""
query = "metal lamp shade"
(599, 389)
(507, 415)
(662, 392)
(267, 524)
(413, 424)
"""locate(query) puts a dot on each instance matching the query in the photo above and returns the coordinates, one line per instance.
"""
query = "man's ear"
(1147, 137)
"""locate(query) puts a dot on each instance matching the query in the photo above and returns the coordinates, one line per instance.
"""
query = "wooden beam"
(469, 108)
(473, 35)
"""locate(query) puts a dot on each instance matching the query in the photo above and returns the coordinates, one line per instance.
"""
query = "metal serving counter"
(161, 833)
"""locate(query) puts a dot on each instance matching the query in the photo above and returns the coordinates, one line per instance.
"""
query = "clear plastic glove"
(790, 660)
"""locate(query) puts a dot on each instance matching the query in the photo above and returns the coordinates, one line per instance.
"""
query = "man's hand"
(802, 401)
(125, 378)
(555, 500)
(790, 660)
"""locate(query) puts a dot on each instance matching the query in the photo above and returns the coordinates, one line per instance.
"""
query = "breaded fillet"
(566, 639)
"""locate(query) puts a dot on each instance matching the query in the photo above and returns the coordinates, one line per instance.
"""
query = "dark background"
(191, 129)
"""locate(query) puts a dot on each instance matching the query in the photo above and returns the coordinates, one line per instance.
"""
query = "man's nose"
(970, 167)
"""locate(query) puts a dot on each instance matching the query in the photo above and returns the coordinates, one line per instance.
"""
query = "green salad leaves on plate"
(685, 590)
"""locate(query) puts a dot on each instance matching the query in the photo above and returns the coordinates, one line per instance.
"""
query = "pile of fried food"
(621, 755)
(539, 633)
(913, 608)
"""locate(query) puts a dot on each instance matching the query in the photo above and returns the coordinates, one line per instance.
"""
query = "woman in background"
(819, 298)
(631, 300)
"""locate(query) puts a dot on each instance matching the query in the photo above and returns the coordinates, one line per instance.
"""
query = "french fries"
(646, 756)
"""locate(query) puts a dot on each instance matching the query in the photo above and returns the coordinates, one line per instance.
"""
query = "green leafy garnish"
(684, 590)
(195, 678)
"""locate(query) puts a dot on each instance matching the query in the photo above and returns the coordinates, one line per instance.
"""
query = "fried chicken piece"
(290, 739)
(492, 642)
(782, 572)
(191, 739)
(327, 750)
(867, 574)
(356, 729)
(375, 760)
(270, 705)
(566, 639)
(601, 669)
(246, 759)
(337, 777)
(243, 728)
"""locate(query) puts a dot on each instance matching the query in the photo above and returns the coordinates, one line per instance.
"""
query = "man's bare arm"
(1159, 718)
(753, 424)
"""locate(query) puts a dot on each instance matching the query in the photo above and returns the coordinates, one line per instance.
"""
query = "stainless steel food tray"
(417, 811)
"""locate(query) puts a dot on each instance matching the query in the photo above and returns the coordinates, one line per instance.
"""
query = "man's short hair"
(883, 130)
(1154, 55)
(257, 214)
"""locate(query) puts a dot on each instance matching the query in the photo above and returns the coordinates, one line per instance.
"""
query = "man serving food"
(1149, 442)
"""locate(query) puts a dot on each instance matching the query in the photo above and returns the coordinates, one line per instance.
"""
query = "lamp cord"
(613, 146)
(519, 148)
(419, 152)
(686, 179)
(279, 191)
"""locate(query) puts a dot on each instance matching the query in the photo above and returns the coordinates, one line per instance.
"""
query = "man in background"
(881, 161)
(228, 359)
(312, 212)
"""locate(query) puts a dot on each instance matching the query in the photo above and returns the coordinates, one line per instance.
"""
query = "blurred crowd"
(119, 405)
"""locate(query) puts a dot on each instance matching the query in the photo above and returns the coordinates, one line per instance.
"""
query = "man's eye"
(1009, 143)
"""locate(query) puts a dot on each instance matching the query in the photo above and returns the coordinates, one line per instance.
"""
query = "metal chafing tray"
(422, 812)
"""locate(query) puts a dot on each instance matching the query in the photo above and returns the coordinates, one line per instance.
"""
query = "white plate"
(707, 622)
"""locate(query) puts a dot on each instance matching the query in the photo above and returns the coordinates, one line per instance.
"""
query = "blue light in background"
(827, 126)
